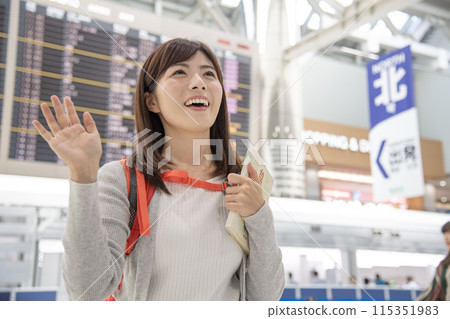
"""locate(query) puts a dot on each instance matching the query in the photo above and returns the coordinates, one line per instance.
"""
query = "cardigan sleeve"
(95, 235)
(265, 271)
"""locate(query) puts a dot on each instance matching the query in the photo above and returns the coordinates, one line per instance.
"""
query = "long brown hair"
(445, 229)
(171, 52)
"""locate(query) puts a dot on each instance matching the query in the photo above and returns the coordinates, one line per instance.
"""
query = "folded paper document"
(235, 224)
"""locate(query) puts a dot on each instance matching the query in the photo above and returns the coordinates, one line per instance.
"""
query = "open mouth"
(197, 103)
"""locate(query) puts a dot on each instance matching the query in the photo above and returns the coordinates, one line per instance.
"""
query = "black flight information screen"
(4, 23)
(96, 64)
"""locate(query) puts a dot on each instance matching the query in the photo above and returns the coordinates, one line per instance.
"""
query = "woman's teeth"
(196, 101)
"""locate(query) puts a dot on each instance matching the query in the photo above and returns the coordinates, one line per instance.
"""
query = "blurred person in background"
(315, 278)
(439, 289)
(410, 283)
(291, 279)
(379, 280)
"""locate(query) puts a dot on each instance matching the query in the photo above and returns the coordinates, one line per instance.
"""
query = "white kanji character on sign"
(391, 91)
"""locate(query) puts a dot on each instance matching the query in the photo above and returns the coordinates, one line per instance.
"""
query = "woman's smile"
(188, 96)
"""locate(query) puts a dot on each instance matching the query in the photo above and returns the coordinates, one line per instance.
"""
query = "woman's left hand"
(245, 195)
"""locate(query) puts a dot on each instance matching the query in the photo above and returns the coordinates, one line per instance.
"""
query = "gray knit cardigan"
(97, 230)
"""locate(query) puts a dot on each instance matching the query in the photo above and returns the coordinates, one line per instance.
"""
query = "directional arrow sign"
(394, 128)
(378, 160)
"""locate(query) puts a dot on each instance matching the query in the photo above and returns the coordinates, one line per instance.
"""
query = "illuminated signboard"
(63, 50)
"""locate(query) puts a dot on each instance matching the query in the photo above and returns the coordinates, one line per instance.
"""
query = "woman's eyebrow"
(205, 66)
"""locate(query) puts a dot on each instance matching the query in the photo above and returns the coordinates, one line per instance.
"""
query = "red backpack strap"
(181, 177)
(126, 169)
(139, 196)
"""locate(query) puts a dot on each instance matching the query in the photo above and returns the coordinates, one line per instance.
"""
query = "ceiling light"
(443, 183)
(381, 29)
(302, 12)
(398, 18)
(314, 22)
(230, 3)
(70, 3)
(125, 16)
(326, 7)
(345, 3)
(96, 8)
(348, 177)
(360, 53)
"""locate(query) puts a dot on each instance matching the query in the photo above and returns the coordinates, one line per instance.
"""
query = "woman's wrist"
(83, 176)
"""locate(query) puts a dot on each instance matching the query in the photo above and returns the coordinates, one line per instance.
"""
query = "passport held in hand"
(235, 225)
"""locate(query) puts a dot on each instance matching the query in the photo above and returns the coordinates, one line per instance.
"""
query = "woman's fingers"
(236, 179)
(71, 112)
(54, 127)
(232, 190)
(42, 131)
(63, 120)
(61, 116)
(89, 123)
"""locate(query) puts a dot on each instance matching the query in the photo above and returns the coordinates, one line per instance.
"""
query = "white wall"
(433, 103)
(301, 261)
(336, 91)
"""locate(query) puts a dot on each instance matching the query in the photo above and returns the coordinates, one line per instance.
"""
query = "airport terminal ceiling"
(426, 22)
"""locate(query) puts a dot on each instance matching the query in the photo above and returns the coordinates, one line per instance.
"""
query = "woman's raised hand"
(80, 148)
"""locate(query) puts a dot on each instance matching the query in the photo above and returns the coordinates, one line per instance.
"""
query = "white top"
(195, 257)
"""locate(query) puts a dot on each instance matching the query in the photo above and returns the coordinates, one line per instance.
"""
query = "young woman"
(439, 289)
(188, 254)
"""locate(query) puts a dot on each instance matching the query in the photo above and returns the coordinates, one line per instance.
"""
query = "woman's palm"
(80, 148)
(74, 145)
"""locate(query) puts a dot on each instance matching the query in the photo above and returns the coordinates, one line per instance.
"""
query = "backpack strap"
(181, 177)
(139, 196)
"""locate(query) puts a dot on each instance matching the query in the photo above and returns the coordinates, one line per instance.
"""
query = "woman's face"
(447, 239)
(188, 96)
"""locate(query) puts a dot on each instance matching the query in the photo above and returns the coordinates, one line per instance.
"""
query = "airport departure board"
(4, 24)
(96, 64)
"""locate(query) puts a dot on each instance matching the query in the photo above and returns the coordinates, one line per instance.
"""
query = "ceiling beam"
(446, 29)
(315, 5)
(391, 26)
(422, 30)
(211, 7)
(237, 13)
(336, 6)
(175, 7)
(159, 7)
(356, 15)
(439, 55)
(191, 14)
(421, 8)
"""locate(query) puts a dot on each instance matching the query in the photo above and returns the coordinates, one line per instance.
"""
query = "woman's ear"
(151, 103)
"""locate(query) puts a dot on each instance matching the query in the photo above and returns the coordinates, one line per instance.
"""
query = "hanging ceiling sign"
(395, 156)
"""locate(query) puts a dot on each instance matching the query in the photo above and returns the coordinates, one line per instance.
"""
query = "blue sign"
(391, 85)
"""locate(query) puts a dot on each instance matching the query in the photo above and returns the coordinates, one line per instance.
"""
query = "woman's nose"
(198, 83)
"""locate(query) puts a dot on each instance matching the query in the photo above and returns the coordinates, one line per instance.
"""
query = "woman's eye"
(210, 73)
(178, 72)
